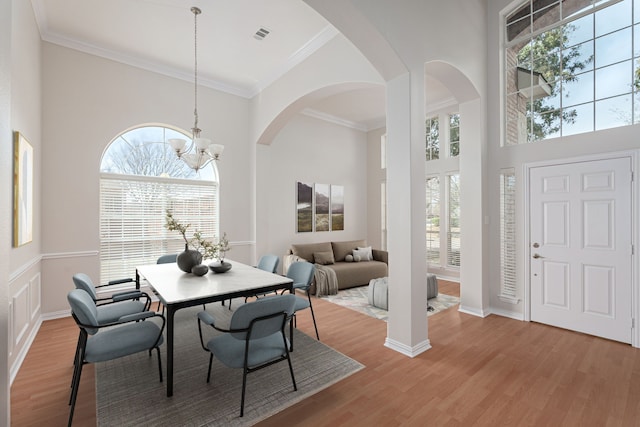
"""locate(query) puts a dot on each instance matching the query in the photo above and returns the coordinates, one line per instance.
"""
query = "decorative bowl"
(218, 267)
(200, 270)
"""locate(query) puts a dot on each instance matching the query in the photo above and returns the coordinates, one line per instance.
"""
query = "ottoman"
(378, 291)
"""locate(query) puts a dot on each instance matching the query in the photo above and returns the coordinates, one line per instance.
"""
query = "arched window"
(570, 68)
(141, 178)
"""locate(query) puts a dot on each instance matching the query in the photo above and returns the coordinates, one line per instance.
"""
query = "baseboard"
(510, 314)
(407, 350)
(474, 311)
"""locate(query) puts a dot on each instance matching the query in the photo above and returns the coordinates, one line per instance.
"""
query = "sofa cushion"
(350, 274)
(306, 250)
(363, 253)
(324, 258)
(342, 249)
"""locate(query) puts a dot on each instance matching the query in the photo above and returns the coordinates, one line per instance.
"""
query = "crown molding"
(334, 119)
(248, 92)
(308, 49)
(441, 105)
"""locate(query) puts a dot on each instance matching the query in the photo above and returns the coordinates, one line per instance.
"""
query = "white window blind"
(433, 220)
(507, 235)
(453, 223)
(132, 218)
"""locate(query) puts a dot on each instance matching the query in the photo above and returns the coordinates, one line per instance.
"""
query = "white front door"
(580, 246)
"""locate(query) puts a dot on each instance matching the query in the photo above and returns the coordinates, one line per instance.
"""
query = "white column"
(407, 324)
(474, 296)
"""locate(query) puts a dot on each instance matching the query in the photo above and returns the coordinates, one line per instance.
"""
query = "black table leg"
(170, 315)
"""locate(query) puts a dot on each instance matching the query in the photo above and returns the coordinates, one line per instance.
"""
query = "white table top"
(174, 286)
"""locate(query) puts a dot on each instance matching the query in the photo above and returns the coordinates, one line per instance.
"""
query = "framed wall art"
(304, 207)
(322, 207)
(22, 190)
(337, 208)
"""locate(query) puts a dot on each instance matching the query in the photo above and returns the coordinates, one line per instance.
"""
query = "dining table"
(177, 290)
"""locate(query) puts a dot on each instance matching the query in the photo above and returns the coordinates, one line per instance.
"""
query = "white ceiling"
(158, 35)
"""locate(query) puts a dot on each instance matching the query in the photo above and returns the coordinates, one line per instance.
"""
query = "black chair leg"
(209, 372)
(159, 362)
(74, 391)
(313, 316)
(244, 386)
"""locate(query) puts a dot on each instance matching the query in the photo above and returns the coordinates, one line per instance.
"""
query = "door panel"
(580, 219)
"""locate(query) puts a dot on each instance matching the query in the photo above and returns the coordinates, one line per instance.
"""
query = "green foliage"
(208, 249)
(549, 55)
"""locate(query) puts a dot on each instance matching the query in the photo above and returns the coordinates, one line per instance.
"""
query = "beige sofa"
(334, 255)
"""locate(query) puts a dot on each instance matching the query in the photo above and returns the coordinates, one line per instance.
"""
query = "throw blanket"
(326, 281)
(324, 277)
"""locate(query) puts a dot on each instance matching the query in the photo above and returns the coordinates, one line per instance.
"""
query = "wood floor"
(479, 372)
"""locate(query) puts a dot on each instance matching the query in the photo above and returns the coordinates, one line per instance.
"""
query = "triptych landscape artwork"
(320, 207)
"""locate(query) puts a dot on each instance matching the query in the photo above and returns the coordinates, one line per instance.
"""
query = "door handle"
(536, 256)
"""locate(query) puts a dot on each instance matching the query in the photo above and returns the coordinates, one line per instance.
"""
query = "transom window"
(571, 67)
(141, 178)
(442, 141)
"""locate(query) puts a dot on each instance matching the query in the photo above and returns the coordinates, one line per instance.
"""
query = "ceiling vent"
(261, 34)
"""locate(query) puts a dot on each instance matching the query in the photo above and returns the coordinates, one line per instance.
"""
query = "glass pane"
(613, 17)
(614, 80)
(636, 109)
(614, 47)
(636, 40)
(433, 220)
(578, 31)
(613, 112)
(432, 139)
(577, 89)
(543, 17)
(578, 119)
(636, 11)
(548, 66)
(145, 151)
(546, 125)
(578, 58)
(454, 134)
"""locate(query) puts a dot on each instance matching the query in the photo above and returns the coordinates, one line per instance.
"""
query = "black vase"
(188, 259)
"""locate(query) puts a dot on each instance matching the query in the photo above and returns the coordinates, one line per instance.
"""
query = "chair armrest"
(380, 255)
(136, 316)
(206, 318)
(126, 295)
(117, 282)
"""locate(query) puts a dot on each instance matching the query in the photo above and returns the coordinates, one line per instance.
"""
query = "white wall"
(6, 175)
(375, 177)
(313, 151)
(24, 262)
(88, 101)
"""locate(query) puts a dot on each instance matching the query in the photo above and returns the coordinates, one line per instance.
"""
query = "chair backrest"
(269, 263)
(84, 282)
(301, 272)
(267, 306)
(84, 309)
(166, 259)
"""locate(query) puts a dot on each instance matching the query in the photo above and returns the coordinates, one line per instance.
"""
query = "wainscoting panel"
(34, 293)
(21, 313)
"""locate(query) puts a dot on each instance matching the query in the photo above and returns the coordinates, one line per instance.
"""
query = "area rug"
(357, 299)
(128, 391)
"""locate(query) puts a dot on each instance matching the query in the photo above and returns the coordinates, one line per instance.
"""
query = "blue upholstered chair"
(301, 272)
(166, 259)
(269, 263)
(118, 304)
(134, 333)
(255, 338)
(266, 263)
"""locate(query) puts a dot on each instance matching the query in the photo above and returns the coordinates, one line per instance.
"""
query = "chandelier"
(201, 151)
